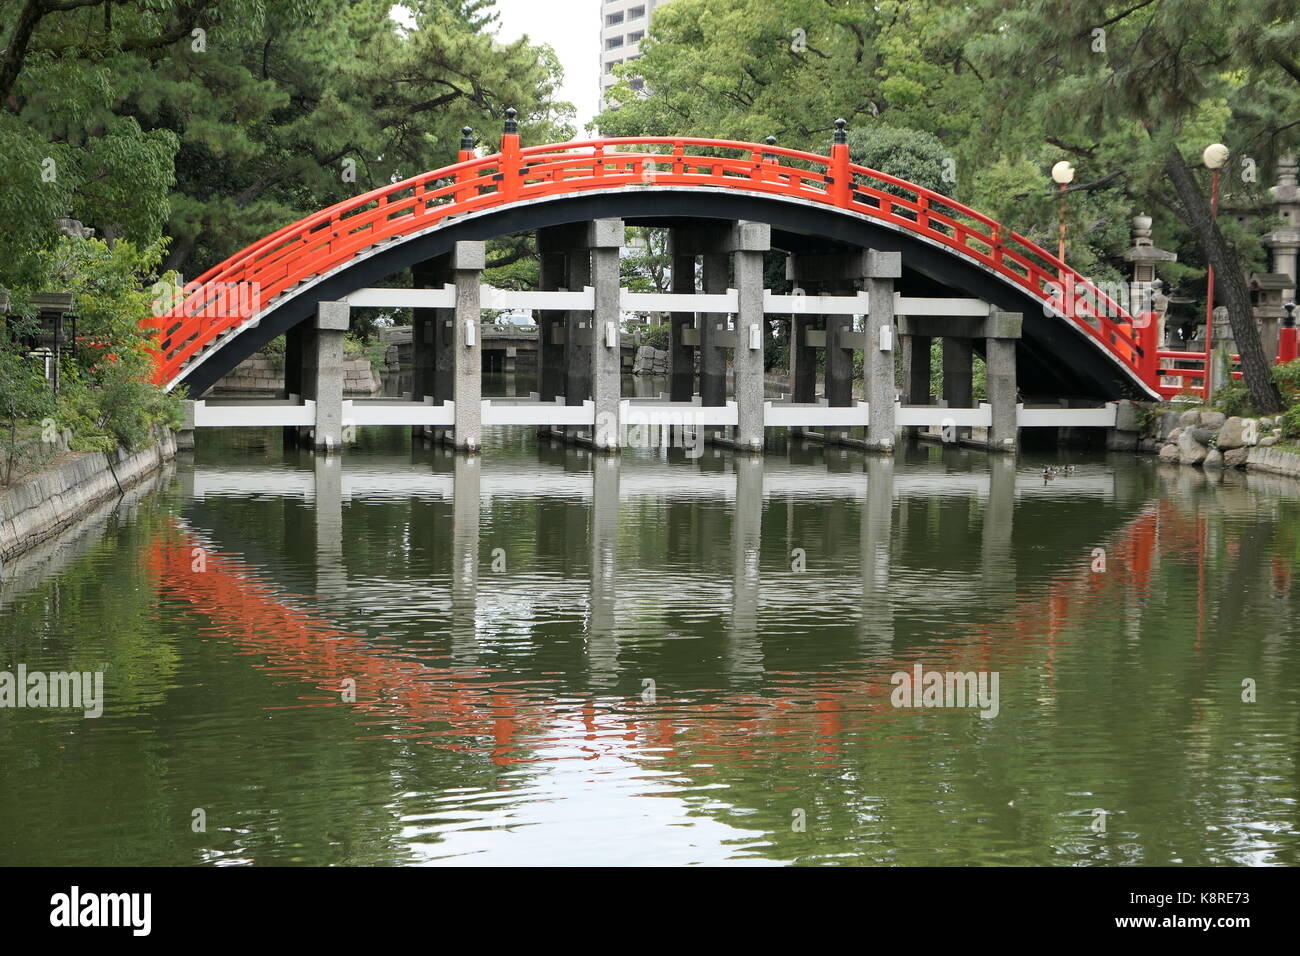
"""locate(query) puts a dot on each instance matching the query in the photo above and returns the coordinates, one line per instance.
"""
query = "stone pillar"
(323, 372)
(550, 352)
(606, 239)
(879, 387)
(681, 355)
(467, 260)
(803, 359)
(424, 322)
(916, 373)
(713, 331)
(958, 375)
(1002, 331)
(185, 437)
(577, 333)
(293, 369)
(750, 240)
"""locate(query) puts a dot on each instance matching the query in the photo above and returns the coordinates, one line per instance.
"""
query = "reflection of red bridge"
(407, 696)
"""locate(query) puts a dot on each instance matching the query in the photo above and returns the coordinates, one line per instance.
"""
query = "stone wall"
(265, 373)
(1210, 439)
(45, 504)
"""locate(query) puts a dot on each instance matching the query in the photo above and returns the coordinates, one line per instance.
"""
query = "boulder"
(1189, 417)
(1169, 452)
(1213, 458)
(1191, 451)
(1232, 434)
(1265, 424)
(1212, 419)
(1202, 435)
(1235, 457)
(1174, 435)
(1268, 442)
(1168, 422)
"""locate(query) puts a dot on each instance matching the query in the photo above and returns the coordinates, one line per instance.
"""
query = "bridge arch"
(1077, 340)
(1055, 356)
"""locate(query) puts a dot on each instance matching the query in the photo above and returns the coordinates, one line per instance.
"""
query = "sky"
(572, 27)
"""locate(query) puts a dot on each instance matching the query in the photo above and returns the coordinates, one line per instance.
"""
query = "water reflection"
(605, 660)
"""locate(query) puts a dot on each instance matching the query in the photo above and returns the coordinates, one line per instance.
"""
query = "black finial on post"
(1289, 321)
(841, 137)
(771, 141)
(511, 125)
(467, 137)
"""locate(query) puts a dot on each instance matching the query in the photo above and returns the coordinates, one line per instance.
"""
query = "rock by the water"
(1213, 458)
(1232, 434)
(1191, 451)
(1235, 457)
(1212, 419)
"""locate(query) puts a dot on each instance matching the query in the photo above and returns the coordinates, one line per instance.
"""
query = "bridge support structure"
(321, 372)
(446, 356)
(1000, 331)
(836, 274)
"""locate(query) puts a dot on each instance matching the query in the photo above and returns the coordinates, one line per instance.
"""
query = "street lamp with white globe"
(1063, 175)
(1215, 158)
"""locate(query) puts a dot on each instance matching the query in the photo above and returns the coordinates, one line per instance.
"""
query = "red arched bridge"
(861, 243)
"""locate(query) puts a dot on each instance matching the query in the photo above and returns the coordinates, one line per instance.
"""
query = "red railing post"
(511, 165)
(841, 179)
(1148, 342)
(769, 159)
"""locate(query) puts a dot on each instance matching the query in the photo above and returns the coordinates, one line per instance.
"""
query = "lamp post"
(1215, 157)
(1063, 175)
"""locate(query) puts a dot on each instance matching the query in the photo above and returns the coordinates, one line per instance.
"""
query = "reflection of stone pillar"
(877, 537)
(464, 549)
(916, 374)
(997, 561)
(744, 652)
(331, 576)
(603, 642)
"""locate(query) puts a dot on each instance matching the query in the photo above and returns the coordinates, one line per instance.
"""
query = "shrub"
(1234, 399)
(1290, 422)
(656, 336)
(1287, 378)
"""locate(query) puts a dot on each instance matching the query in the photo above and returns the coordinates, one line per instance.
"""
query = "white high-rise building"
(623, 25)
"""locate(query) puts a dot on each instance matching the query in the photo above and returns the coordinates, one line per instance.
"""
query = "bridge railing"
(327, 239)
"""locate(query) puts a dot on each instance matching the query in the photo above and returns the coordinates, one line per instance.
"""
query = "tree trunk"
(1230, 284)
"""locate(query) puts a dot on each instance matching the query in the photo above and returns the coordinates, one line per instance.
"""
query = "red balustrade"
(329, 238)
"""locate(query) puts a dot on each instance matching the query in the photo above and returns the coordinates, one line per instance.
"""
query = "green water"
(658, 660)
